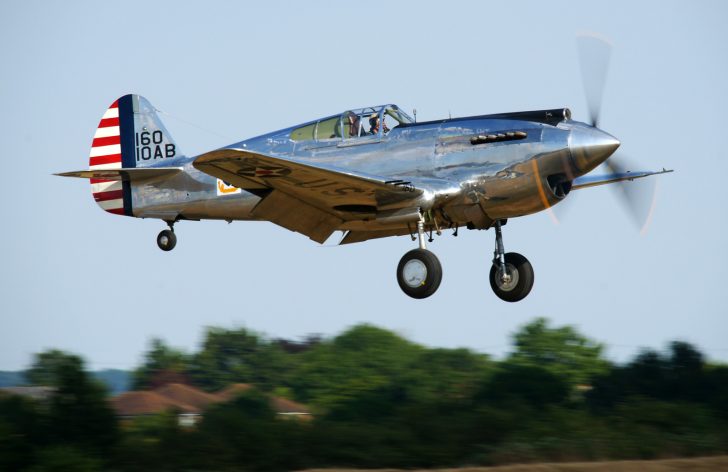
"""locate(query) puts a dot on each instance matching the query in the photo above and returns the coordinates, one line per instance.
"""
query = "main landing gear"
(419, 272)
(166, 239)
(511, 275)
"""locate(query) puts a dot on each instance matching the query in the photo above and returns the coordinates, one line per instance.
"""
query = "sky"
(73, 277)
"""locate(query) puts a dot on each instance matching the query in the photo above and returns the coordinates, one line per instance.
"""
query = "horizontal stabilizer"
(594, 180)
(133, 174)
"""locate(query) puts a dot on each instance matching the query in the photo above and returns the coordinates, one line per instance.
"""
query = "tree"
(65, 459)
(79, 413)
(22, 429)
(562, 351)
(239, 355)
(361, 360)
(524, 384)
(686, 373)
(677, 375)
(244, 435)
(162, 365)
(447, 374)
(49, 364)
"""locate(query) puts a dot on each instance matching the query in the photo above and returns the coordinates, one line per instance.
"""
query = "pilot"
(374, 124)
(353, 122)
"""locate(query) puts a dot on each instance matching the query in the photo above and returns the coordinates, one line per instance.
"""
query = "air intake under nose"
(590, 147)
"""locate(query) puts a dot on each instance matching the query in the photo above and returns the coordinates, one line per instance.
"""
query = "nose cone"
(590, 147)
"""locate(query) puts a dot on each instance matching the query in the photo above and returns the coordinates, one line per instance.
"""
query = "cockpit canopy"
(370, 121)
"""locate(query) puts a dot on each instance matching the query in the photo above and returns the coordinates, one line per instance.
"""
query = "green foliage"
(562, 351)
(65, 459)
(79, 413)
(447, 374)
(152, 443)
(716, 382)
(361, 360)
(21, 427)
(379, 401)
(51, 434)
(246, 431)
(162, 364)
(49, 364)
(514, 385)
(238, 356)
(678, 375)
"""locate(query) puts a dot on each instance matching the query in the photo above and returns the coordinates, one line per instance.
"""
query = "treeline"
(115, 380)
(379, 401)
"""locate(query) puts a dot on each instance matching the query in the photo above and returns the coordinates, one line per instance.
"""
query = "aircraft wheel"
(166, 240)
(521, 281)
(419, 273)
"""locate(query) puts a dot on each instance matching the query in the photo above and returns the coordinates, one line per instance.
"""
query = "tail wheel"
(166, 240)
(419, 273)
(519, 281)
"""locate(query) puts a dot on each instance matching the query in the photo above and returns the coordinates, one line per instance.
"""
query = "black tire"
(166, 240)
(427, 273)
(521, 271)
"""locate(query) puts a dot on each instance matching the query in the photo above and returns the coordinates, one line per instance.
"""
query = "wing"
(134, 174)
(311, 199)
(594, 180)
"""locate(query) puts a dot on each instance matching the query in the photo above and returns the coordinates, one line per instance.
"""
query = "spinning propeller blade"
(638, 198)
(594, 54)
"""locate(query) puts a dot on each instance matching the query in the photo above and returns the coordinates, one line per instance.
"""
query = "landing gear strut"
(166, 240)
(419, 272)
(511, 275)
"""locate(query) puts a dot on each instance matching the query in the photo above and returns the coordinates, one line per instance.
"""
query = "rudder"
(130, 134)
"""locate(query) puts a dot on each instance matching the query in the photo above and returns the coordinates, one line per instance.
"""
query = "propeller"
(638, 198)
(594, 55)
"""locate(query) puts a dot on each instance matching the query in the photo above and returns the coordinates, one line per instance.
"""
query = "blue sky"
(76, 278)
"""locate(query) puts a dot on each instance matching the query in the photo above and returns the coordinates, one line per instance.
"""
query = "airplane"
(370, 173)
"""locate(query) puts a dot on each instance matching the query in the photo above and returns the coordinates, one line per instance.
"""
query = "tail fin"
(130, 134)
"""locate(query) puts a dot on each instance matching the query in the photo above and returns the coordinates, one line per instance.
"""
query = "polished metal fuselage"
(464, 183)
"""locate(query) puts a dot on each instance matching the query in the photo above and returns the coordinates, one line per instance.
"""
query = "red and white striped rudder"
(106, 154)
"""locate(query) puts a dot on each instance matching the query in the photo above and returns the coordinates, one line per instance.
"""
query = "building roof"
(231, 391)
(188, 395)
(147, 403)
(285, 406)
(188, 399)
